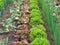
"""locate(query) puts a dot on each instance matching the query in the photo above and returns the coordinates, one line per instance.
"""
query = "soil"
(21, 35)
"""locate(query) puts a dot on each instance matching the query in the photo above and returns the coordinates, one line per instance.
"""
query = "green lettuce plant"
(41, 27)
(33, 6)
(36, 21)
(40, 41)
(35, 10)
(35, 13)
(36, 33)
(1, 3)
(34, 1)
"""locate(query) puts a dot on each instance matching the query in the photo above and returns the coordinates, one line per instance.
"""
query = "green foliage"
(41, 27)
(9, 1)
(35, 21)
(33, 6)
(36, 33)
(33, 1)
(14, 13)
(35, 13)
(35, 10)
(7, 23)
(1, 3)
(35, 17)
(40, 41)
(1, 7)
(17, 4)
(4, 41)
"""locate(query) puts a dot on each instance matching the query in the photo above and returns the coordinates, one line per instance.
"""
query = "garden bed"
(24, 25)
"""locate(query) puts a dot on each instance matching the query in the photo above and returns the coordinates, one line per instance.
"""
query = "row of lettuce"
(38, 34)
(3, 4)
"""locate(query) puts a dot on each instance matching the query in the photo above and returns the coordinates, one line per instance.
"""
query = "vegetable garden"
(29, 22)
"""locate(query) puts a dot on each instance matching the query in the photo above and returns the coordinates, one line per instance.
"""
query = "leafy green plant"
(35, 21)
(15, 12)
(35, 17)
(33, 1)
(41, 27)
(40, 41)
(35, 13)
(36, 33)
(33, 6)
(1, 3)
(7, 24)
(35, 10)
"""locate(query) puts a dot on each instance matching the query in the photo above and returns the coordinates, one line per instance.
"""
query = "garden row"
(15, 13)
(38, 34)
(9, 24)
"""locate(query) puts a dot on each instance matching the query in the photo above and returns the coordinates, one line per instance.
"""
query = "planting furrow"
(3, 32)
(21, 36)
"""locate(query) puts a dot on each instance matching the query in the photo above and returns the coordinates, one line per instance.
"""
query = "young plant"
(35, 13)
(1, 4)
(41, 27)
(36, 21)
(35, 10)
(33, 6)
(33, 1)
(40, 41)
(37, 33)
(15, 12)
